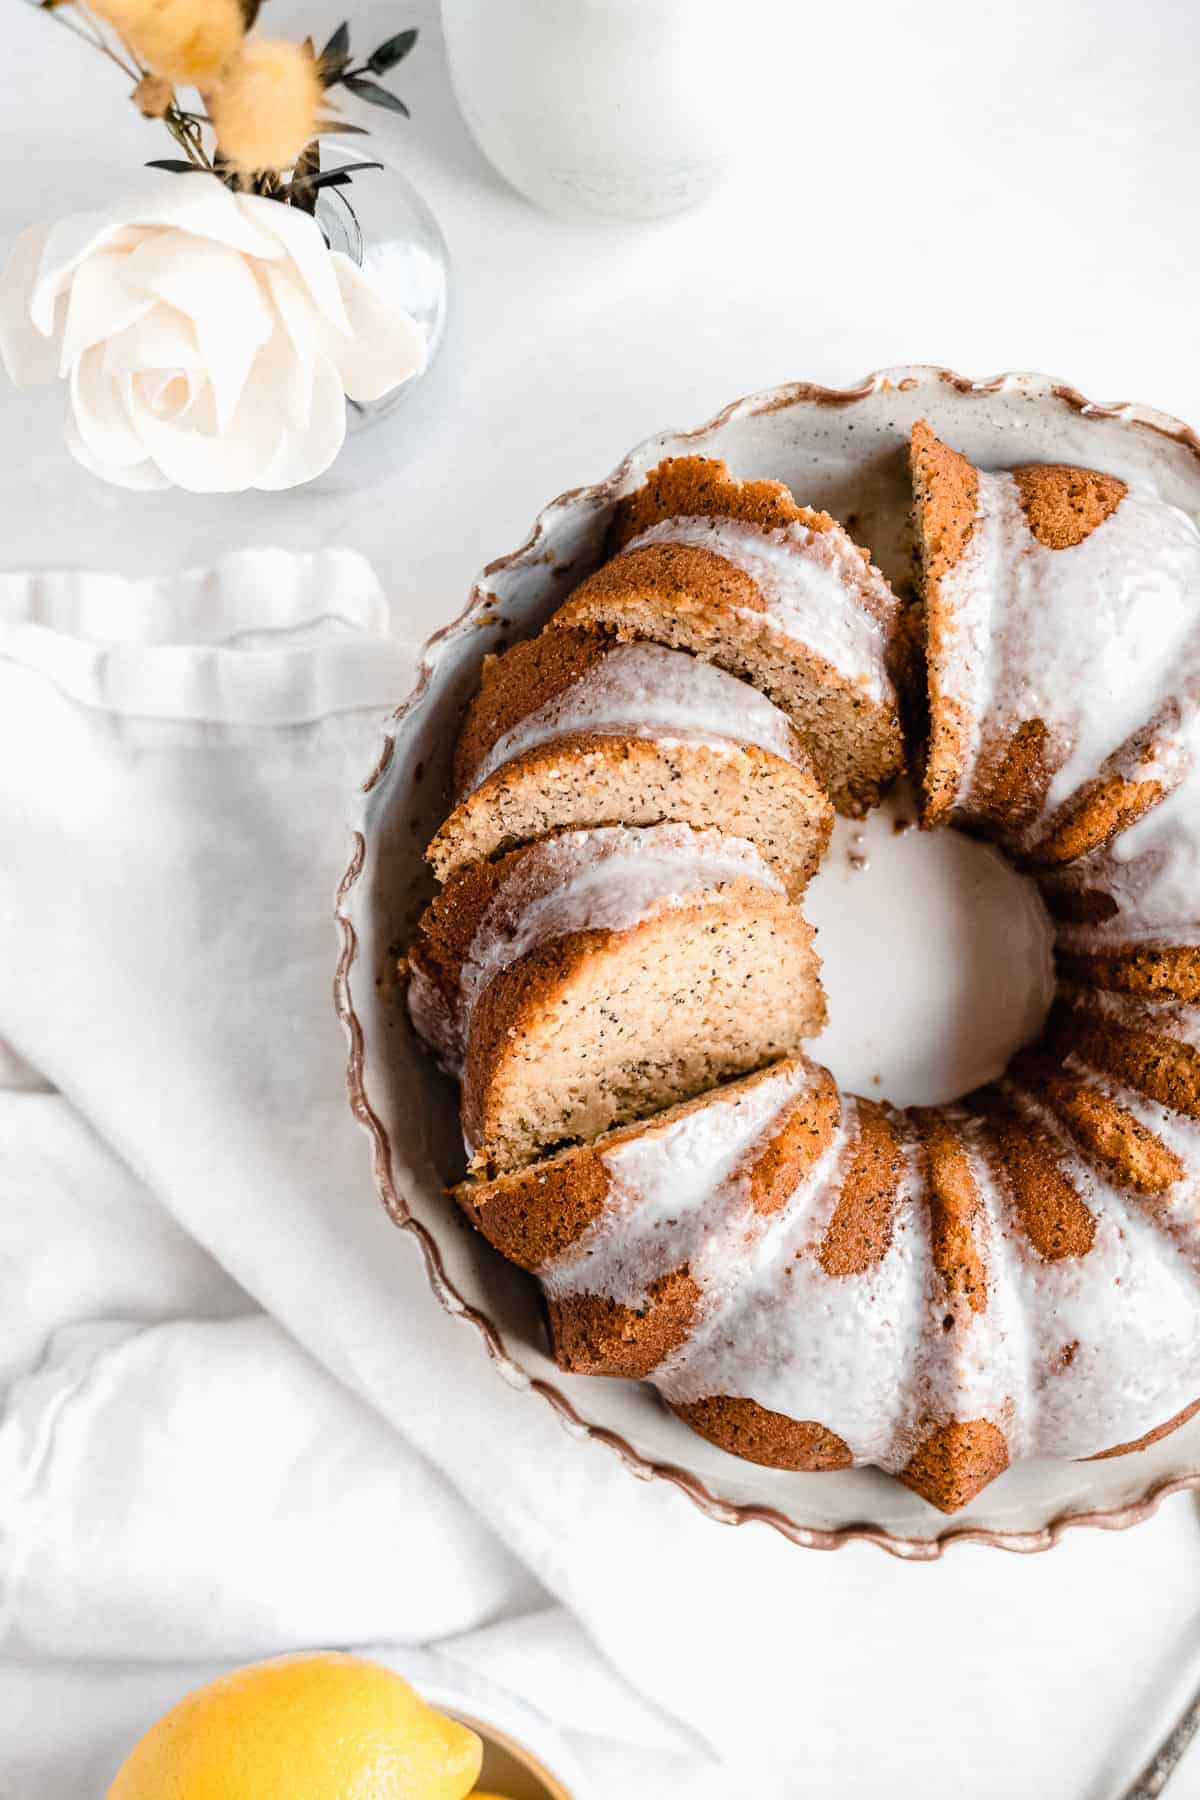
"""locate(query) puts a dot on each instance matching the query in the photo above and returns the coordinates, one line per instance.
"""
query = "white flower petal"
(198, 204)
(217, 290)
(298, 318)
(29, 353)
(386, 345)
(171, 393)
(99, 303)
(279, 369)
(161, 339)
(205, 460)
(299, 235)
(143, 476)
(100, 415)
(308, 453)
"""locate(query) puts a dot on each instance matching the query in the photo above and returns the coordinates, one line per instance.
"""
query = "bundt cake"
(814, 1280)
(572, 729)
(590, 977)
(737, 573)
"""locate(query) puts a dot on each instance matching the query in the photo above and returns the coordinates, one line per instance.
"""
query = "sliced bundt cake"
(594, 976)
(1062, 617)
(573, 729)
(738, 573)
(813, 1280)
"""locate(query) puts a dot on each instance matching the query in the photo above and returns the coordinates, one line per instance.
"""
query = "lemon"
(319, 1727)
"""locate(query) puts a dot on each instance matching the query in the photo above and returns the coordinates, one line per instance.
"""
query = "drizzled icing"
(647, 691)
(607, 879)
(1069, 1356)
(670, 1189)
(1087, 639)
(1129, 1308)
(1151, 871)
(816, 587)
(768, 1331)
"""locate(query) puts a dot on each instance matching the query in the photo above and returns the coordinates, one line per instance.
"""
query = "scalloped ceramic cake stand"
(844, 450)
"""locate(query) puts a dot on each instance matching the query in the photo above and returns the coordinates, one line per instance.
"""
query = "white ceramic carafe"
(632, 108)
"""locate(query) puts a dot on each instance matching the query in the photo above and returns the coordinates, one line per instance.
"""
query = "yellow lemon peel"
(329, 1726)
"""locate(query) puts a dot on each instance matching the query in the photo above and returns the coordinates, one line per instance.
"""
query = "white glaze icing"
(1150, 873)
(1177, 1208)
(1068, 1357)
(671, 1187)
(648, 691)
(776, 1329)
(607, 879)
(1128, 1308)
(1089, 639)
(812, 583)
(979, 1368)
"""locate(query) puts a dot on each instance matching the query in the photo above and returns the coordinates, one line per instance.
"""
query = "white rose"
(210, 339)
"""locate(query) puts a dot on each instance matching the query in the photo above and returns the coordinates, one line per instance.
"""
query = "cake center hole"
(936, 958)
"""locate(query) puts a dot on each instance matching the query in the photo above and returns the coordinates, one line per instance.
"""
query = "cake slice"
(614, 1228)
(1062, 624)
(571, 729)
(739, 574)
(593, 977)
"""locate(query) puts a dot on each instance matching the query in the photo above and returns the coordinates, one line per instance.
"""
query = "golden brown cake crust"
(762, 1436)
(593, 1335)
(859, 1235)
(1125, 1150)
(448, 924)
(956, 1461)
(1147, 1061)
(1054, 1217)
(1097, 817)
(701, 486)
(517, 683)
(954, 1207)
(535, 1214)
(1171, 973)
(797, 1141)
(685, 577)
(1011, 779)
(947, 487)
(1064, 505)
(945, 500)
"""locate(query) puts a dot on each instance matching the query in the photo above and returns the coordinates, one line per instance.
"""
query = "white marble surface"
(978, 187)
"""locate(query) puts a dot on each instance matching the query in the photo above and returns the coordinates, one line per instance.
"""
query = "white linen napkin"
(237, 1422)
(179, 1478)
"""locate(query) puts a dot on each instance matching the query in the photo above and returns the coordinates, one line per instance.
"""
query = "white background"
(984, 187)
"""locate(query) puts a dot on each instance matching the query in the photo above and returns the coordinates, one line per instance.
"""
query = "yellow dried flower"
(264, 110)
(153, 95)
(185, 41)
